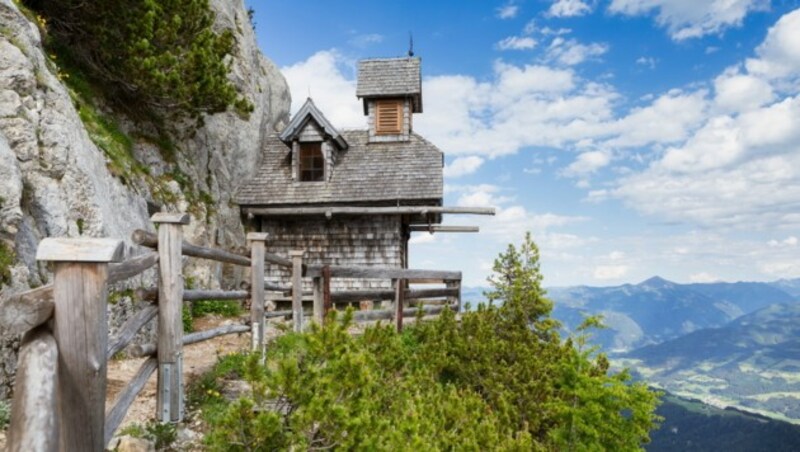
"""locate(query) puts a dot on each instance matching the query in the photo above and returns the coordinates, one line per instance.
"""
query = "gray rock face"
(55, 181)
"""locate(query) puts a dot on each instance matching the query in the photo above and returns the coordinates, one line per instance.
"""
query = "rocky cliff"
(59, 178)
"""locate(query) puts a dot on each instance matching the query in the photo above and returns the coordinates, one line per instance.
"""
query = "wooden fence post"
(327, 303)
(455, 300)
(399, 299)
(257, 246)
(297, 289)
(319, 302)
(80, 329)
(169, 397)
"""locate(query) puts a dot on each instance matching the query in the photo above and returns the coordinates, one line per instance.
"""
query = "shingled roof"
(390, 77)
(366, 172)
(306, 113)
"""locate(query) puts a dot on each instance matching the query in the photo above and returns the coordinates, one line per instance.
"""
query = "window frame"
(306, 157)
(385, 111)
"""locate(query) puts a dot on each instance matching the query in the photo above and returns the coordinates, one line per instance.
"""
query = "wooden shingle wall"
(373, 241)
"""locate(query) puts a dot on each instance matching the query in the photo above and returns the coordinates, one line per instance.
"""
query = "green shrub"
(5, 414)
(501, 378)
(158, 56)
(6, 261)
(187, 319)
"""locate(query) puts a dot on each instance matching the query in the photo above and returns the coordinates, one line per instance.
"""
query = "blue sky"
(632, 138)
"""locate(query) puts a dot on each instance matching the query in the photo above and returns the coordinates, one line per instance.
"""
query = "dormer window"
(389, 117)
(312, 162)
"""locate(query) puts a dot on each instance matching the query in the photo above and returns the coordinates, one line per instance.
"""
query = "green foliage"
(160, 56)
(500, 379)
(6, 261)
(163, 435)
(187, 319)
(224, 308)
(5, 414)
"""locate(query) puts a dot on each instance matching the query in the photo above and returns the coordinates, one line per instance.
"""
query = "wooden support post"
(327, 302)
(399, 297)
(169, 396)
(454, 300)
(81, 331)
(257, 249)
(319, 302)
(297, 289)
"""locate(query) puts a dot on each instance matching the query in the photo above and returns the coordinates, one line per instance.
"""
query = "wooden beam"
(355, 210)
(27, 310)
(327, 302)
(169, 394)
(151, 294)
(399, 300)
(129, 329)
(257, 250)
(437, 228)
(150, 240)
(125, 398)
(34, 410)
(383, 273)
(388, 314)
(297, 289)
(142, 350)
(81, 249)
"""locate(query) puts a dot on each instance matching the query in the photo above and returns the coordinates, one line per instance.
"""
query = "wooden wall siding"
(346, 241)
(405, 132)
(310, 132)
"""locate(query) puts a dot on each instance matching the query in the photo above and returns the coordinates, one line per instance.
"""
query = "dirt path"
(197, 359)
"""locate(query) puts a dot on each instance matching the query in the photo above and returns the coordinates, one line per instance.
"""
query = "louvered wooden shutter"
(389, 117)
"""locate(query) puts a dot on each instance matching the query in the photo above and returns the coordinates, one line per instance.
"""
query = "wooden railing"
(60, 391)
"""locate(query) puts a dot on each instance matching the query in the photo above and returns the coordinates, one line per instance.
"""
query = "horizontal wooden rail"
(125, 398)
(353, 210)
(383, 273)
(27, 310)
(436, 228)
(277, 288)
(200, 336)
(129, 329)
(151, 294)
(34, 411)
(274, 314)
(150, 240)
(387, 314)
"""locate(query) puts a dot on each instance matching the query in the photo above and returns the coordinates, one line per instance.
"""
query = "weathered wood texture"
(399, 301)
(358, 210)
(384, 273)
(352, 241)
(81, 332)
(389, 314)
(297, 294)
(151, 294)
(169, 403)
(150, 240)
(34, 411)
(257, 250)
(275, 314)
(319, 302)
(27, 310)
(129, 329)
(436, 228)
(327, 302)
(141, 350)
(125, 398)
(83, 249)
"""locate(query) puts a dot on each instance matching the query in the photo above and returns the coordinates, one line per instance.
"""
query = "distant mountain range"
(658, 310)
(728, 344)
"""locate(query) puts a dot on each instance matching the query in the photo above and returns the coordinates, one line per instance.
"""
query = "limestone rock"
(128, 443)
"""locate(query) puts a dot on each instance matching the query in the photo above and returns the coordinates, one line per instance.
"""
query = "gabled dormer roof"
(310, 112)
(390, 77)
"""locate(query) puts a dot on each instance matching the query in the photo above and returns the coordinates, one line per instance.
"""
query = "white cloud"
(609, 272)
(736, 92)
(569, 8)
(588, 162)
(508, 11)
(322, 77)
(422, 237)
(686, 19)
(790, 241)
(648, 62)
(779, 54)
(462, 166)
(570, 52)
(517, 43)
